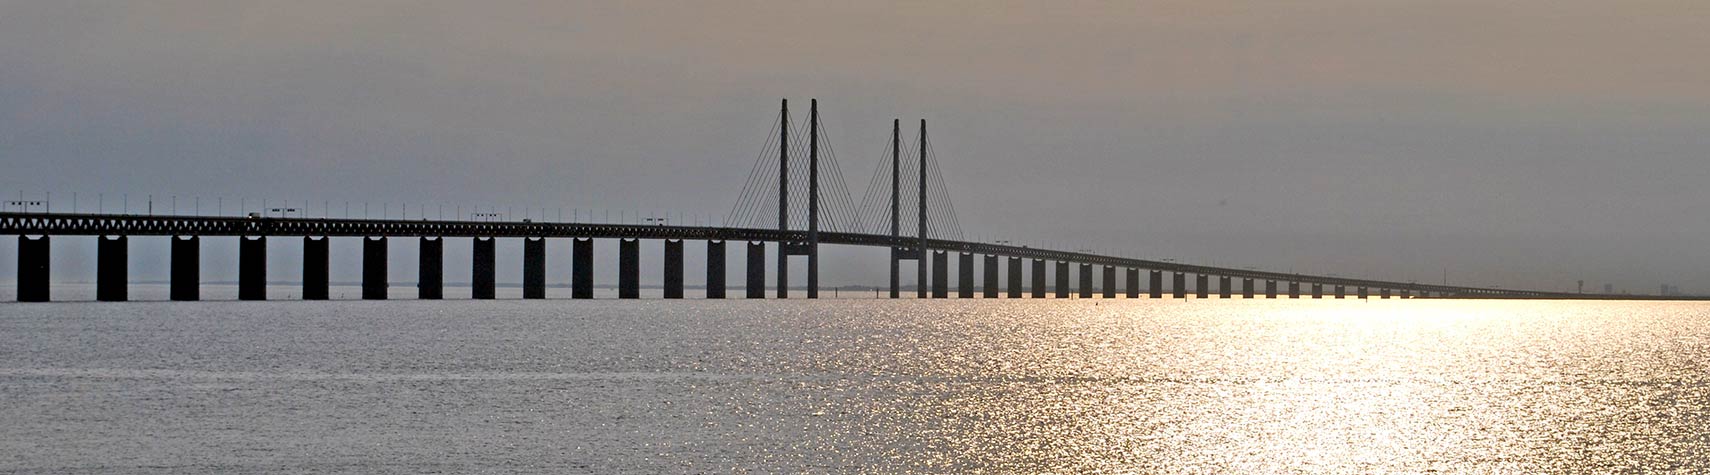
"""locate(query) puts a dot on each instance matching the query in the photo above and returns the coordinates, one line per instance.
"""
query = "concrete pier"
(989, 267)
(1362, 293)
(673, 279)
(899, 254)
(430, 280)
(629, 269)
(582, 269)
(715, 269)
(965, 276)
(1178, 287)
(534, 268)
(1039, 290)
(186, 268)
(374, 268)
(1156, 283)
(252, 268)
(755, 287)
(1341, 292)
(1317, 291)
(1014, 277)
(940, 274)
(1086, 281)
(1109, 282)
(316, 259)
(1223, 286)
(112, 256)
(1247, 288)
(1131, 277)
(1201, 285)
(33, 268)
(1294, 290)
(1383, 293)
(1270, 289)
(483, 281)
(1062, 280)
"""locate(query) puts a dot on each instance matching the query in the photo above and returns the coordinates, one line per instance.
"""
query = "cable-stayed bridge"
(905, 208)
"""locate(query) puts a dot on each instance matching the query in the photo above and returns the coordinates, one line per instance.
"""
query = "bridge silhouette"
(829, 218)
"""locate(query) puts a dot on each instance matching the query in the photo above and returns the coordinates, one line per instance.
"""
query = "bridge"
(798, 231)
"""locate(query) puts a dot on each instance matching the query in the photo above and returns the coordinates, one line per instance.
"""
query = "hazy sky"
(1521, 143)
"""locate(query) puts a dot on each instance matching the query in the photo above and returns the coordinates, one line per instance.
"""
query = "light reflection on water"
(1004, 386)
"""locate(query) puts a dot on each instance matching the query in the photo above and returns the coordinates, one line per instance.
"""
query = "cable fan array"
(941, 221)
(758, 205)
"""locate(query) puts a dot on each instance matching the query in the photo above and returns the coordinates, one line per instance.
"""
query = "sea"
(851, 385)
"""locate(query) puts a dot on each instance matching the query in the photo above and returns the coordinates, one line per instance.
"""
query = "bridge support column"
(1294, 290)
(1246, 288)
(374, 268)
(715, 269)
(1201, 285)
(582, 269)
(252, 268)
(484, 281)
(629, 269)
(899, 254)
(1062, 279)
(756, 285)
(1362, 293)
(33, 268)
(316, 258)
(783, 270)
(111, 266)
(896, 273)
(1131, 276)
(1407, 294)
(1014, 277)
(1155, 284)
(1341, 292)
(1223, 286)
(1317, 291)
(534, 268)
(964, 276)
(1038, 278)
(1109, 282)
(1270, 289)
(1383, 294)
(430, 281)
(674, 269)
(1086, 281)
(989, 267)
(186, 268)
(1178, 287)
(940, 274)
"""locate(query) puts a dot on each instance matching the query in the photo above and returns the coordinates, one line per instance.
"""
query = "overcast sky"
(1523, 143)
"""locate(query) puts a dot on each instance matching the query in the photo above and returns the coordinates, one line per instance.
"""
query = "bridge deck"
(135, 225)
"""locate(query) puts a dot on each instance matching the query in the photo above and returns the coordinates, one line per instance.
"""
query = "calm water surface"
(998, 386)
